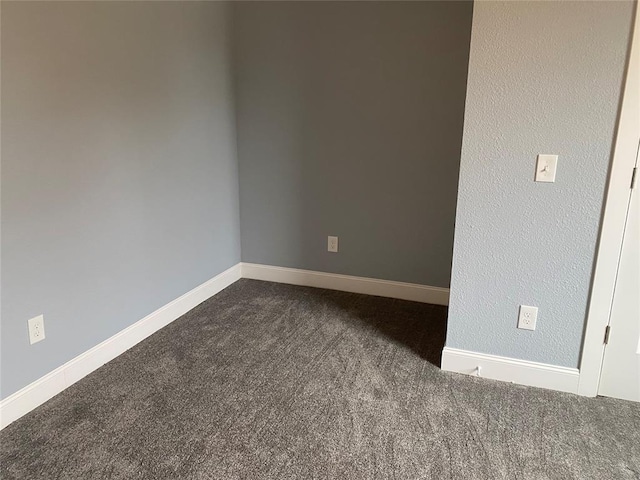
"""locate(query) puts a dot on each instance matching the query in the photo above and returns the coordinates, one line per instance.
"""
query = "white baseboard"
(347, 283)
(511, 370)
(453, 360)
(38, 392)
(46, 387)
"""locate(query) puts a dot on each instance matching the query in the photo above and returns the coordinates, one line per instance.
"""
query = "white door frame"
(612, 230)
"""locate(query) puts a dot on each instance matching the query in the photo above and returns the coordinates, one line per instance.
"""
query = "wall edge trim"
(506, 369)
(347, 283)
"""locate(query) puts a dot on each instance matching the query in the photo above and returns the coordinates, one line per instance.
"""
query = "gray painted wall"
(119, 172)
(544, 77)
(350, 124)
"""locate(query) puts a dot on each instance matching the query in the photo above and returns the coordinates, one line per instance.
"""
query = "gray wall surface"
(544, 77)
(119, 172)
(349, 122)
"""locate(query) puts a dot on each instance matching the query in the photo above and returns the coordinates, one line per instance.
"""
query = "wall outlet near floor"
(527, 317)
(36, 329)
(332, 244)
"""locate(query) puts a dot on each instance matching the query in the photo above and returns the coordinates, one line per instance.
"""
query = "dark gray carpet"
(281, 382)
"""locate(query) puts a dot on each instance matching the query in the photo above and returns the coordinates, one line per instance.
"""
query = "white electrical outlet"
(36, 329)
(546, 168)
(527, 317)
(332, 244)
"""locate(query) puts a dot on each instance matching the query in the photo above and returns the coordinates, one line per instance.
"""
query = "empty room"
(319, 239)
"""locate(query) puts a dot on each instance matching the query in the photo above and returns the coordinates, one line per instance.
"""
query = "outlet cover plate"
(332, 244)
(36, 329)
(528, 317)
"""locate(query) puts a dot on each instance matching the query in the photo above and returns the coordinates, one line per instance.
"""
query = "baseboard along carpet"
(272, 381)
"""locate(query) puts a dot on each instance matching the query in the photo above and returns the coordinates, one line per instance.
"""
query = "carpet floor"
(270, 381)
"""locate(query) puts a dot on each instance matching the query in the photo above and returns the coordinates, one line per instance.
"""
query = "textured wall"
(119, 178)
(544, 77)
(350, 124)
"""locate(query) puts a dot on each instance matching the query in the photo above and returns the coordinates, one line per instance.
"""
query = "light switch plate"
(546, 168)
